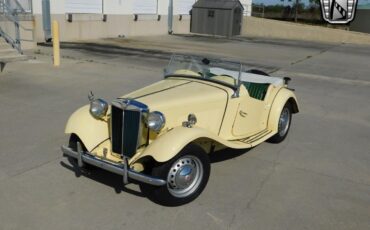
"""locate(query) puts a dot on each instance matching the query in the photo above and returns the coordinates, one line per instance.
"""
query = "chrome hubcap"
(284, 122)
(185, 176)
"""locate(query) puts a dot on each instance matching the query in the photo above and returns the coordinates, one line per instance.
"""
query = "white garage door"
(182, 6)
(84, 6)
(145, 7)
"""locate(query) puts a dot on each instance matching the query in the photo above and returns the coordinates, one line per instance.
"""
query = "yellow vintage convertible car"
(160, 136)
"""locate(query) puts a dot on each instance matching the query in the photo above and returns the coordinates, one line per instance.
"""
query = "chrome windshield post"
(239, 83)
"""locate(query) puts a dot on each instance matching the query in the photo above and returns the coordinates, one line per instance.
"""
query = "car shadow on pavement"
(101, 176)
(226, 154)
(115, 181)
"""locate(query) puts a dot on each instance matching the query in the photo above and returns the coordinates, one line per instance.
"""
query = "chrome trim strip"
(116, 168)
(122, 131)
(79, 155)
(130, 104)
(125, 170)
(139, 132)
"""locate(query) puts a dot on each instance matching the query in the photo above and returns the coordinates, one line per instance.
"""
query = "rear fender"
(91, 131)
(283, 96)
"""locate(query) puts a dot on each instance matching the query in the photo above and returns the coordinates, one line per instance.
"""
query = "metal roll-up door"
(182, 7)
(84, 6)
(145, 7)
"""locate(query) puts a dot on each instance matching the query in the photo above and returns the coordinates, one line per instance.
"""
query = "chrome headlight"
(156, 121)
(98, 108)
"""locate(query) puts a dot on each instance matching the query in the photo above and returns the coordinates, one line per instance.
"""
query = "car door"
(251, 116)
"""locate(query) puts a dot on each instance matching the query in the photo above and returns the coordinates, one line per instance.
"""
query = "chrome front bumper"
(120, 169)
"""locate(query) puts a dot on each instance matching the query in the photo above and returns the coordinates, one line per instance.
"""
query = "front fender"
(170, 144)
(283, 96)
(91, 131)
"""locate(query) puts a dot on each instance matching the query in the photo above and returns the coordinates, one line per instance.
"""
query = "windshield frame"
(233, 87)
(204, 64)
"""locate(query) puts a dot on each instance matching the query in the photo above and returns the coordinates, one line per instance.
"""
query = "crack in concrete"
(314, 55)
(307, 57)
(231, 221)
(14, 175)
(275, 162)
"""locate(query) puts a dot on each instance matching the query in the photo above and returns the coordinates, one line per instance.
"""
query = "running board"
(256, 138)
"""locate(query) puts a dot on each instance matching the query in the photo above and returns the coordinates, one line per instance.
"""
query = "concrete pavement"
(317, 179)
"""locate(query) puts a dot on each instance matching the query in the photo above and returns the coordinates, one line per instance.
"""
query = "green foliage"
(301, 6)
(274, 8)
(315, 2)
(307, 13)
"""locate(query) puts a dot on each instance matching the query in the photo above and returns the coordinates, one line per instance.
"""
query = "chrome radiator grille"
(116, 127)
(128, 130)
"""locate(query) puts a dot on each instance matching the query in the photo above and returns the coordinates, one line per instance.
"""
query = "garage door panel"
(84, 6)
(182, 7)
(145, 7)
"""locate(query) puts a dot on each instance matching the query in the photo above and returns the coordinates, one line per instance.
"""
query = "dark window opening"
(211, 13)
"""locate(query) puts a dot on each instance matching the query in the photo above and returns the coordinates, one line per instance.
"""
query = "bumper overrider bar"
(120, 169)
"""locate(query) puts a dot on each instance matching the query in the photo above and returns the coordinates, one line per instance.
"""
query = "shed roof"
(218, 4)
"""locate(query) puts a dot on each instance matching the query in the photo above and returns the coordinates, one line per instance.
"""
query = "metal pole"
(14, 13)
(46, 19)
(56, 45)
(296, 10)
(170, 16)
(17, 32)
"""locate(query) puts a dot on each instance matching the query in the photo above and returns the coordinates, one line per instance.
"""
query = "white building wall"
(118, 7)
(163, 7)
(84, 6)
(120, 20)
(182, 6)
(115, 7)
(247, 4)
(126, 7)
(56, 6)
(36, 7)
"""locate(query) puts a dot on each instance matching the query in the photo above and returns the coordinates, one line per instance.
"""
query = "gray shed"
(217, 17)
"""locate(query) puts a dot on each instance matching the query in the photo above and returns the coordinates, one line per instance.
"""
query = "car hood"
(177, 98)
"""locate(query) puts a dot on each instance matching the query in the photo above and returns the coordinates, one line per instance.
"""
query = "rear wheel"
(284, 124)
(186, 175)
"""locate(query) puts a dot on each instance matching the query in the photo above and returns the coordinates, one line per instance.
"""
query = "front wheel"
(186, 175)
(284, 124)
(73, 139)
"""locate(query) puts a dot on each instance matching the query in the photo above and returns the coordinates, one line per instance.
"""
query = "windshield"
(223, 72)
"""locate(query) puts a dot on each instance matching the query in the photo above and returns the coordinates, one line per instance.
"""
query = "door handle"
(242, 113)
